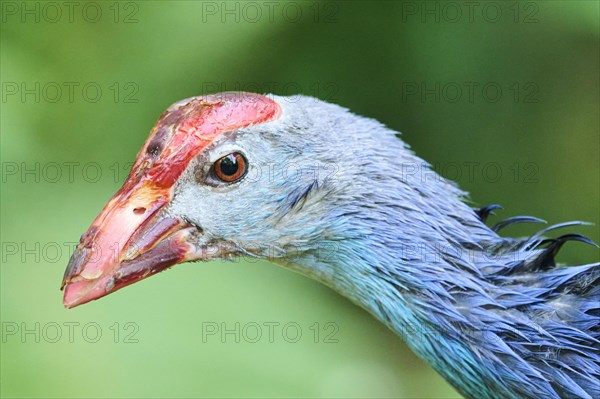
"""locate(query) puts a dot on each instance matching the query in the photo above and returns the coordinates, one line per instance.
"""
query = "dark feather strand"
(555, 244)
(516, 219)
(484, 212)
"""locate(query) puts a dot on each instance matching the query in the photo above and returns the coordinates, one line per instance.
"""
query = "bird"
(340, 198)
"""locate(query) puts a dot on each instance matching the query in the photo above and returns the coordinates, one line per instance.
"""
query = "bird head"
(219, 176)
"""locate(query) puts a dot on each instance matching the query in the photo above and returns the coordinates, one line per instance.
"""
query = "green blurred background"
(533, 147)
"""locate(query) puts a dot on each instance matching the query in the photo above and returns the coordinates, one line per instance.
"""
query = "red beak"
(129, 241)
(133, 237)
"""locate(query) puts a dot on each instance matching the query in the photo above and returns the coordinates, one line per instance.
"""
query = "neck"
(492, 315)
(440, 294)
(427, 273)
(413, 288)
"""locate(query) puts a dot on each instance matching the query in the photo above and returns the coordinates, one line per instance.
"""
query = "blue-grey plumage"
(341, 199)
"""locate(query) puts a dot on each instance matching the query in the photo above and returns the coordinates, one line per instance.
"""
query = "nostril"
(139, 211)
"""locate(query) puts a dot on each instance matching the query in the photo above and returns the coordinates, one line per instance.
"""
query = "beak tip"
(68, 301)
(78, 293)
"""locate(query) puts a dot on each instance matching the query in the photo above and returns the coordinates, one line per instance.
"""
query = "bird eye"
(231, 167)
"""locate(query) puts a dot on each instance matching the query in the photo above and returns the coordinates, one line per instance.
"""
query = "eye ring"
(231, 167)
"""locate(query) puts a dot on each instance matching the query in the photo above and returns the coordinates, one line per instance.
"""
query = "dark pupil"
(229, 165)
